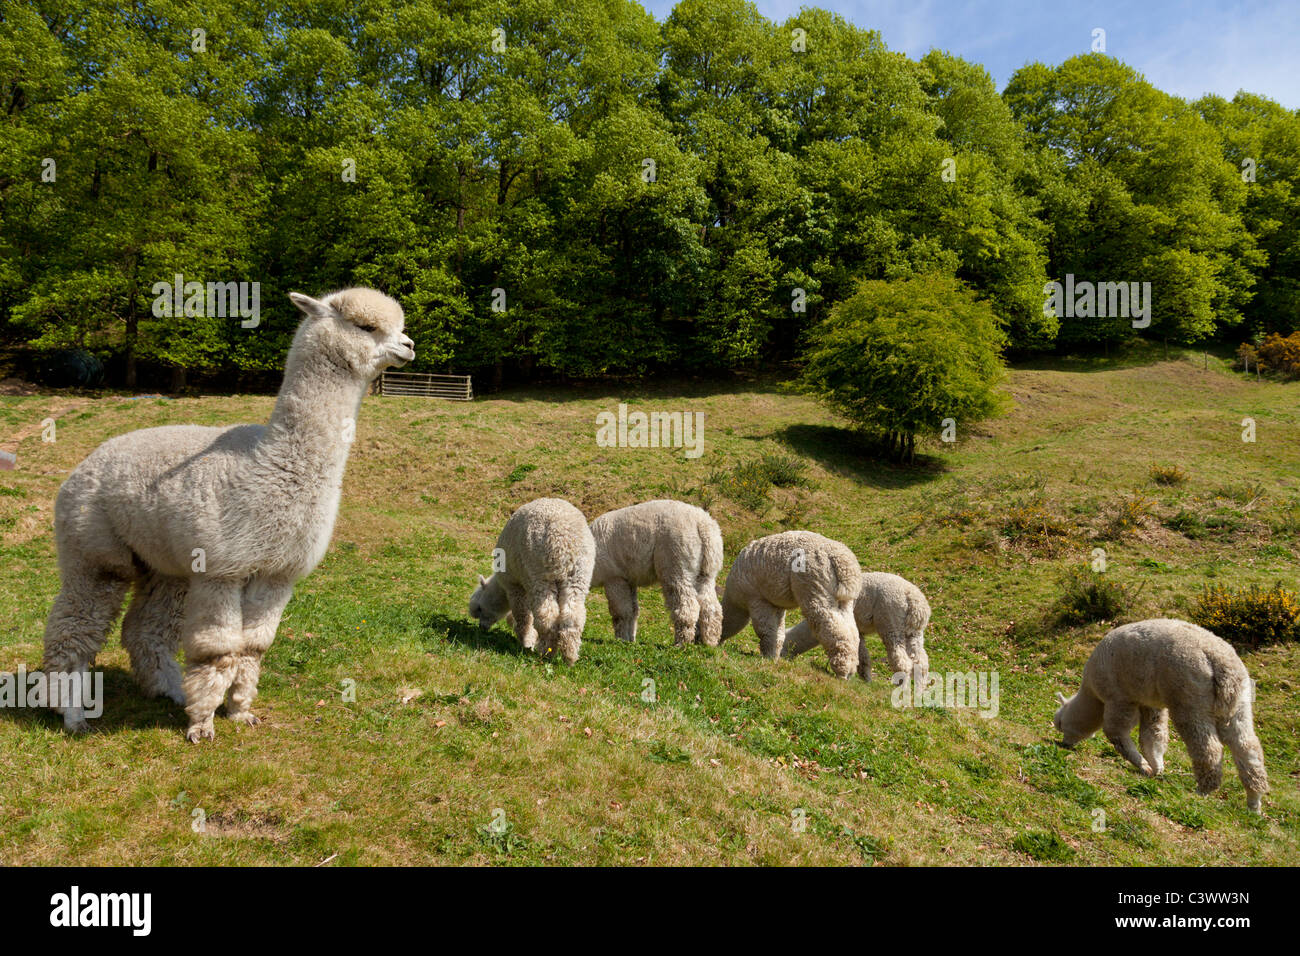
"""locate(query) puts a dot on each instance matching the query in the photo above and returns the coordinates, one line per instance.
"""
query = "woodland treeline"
(569, 187)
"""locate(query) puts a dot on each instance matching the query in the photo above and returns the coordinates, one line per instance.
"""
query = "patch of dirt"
(245, 825)
(16, 386)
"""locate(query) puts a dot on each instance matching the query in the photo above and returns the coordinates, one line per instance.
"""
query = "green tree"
(899, 358)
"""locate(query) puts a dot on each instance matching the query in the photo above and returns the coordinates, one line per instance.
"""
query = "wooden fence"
(456, 388)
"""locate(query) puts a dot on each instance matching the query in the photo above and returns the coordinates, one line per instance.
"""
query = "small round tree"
(899, 358)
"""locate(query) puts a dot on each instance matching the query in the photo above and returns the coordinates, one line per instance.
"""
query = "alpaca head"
(1074, 720)
(488, 603)
(358, 329)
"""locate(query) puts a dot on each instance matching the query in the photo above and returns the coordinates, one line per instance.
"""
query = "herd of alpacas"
(210, 528)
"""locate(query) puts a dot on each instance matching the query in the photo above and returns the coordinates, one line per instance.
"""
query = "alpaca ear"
(1060, 699)
(313, 308)
(482, 580)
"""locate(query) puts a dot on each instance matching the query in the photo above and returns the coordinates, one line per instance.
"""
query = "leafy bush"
(898, 358)
(1252, 616)
(1087, 597)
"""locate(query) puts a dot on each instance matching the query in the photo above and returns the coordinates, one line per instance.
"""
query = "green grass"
(460, 748)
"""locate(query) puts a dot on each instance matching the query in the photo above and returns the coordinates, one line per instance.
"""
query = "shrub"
(746, 484)
(1187, 523)
(898, 358)
(1127, 516)
(1252, 617)
(1087, 597)
(1033, 521)
(1168, 475)
(783, 471)
(1281, 355)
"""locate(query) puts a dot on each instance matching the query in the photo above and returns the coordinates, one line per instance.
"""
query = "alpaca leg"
(212, 634)
(769, 625)
(1117, 723)
(521, 616)
(151, 634)
(920, 659)
(1153, 736)
(684, 610)
(798, 639)
(566, 634)
(1203, 746)
(622, 608)
(1238, 732)
(75, 631)
(864, 660)
(900, 661)
(261, 607)
(708, 629)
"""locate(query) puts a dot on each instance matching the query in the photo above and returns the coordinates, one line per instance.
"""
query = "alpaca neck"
(734, 619)
(311, 428)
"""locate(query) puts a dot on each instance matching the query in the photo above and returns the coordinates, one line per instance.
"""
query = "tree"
(909, 357)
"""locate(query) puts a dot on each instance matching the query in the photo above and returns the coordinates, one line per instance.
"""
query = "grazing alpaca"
(894, 608)
(1150, 672)
(676, 545)
(799, 569)
(214, 525)
(544, 558)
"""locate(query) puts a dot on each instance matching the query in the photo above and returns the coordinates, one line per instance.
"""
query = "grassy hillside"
(451, 724)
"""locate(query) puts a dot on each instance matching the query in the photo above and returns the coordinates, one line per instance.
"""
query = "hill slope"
(724, 757)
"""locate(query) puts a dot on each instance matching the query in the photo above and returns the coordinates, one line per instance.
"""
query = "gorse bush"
(1281, 354)
(750, 482)
(1087, 596)
(1168, 475)
(1127, 516)
(783, 471)
(1252, 616)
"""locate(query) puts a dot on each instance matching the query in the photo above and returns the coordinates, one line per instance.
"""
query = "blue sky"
(1183, 48)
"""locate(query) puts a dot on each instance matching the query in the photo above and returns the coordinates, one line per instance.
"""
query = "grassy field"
(734, 759)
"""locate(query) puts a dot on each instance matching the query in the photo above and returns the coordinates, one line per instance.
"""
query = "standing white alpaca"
(1152, 671)
(892, 607)
(214, 525)
(799, 569)
(676, 545)
(542, 572)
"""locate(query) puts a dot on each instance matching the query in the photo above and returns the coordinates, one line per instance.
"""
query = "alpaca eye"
(367, 328)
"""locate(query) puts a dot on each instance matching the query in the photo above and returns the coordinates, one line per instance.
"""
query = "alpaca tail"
(848, 576)
(918, 615)
(1231, 684)
(710, 549)
(546, 611)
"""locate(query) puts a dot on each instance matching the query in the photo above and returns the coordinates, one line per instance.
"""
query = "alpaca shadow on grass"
(500, 639)
(125, 707)
(848, 452)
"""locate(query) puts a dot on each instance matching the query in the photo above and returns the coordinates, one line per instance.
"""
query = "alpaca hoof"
(76, 725)
(200, 732)
(864, 671)
(1255, 803)
(247, 718)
